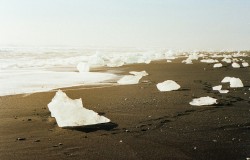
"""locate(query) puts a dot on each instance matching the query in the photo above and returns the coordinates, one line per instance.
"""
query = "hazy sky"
(177, 24)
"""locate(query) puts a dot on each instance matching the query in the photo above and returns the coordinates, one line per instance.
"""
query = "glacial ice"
(209, 60)
(217, 65)
(216, 88)
(203, 101)
(226, 79)
(236, 83)
(142, 73)
(83, 67)
(168, 85)
(129, 79)
(245, 64)
(235, 65)
(71, 113)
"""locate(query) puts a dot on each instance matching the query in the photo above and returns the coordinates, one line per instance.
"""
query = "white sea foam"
(71, 113)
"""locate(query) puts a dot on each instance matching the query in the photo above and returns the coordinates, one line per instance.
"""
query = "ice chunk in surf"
(203, 101)
(71, 113)
(168, 85)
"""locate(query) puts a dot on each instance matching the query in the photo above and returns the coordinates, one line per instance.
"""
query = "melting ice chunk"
(217, 65)
(235, 65)
(83, 67)
(235, 83)
(245, 64)
(71, 113)
(129, 79)
(202, 101)
(216, 88)
(142, 73)
(226, 80)
(168, 85)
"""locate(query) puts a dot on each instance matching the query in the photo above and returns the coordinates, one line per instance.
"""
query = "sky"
(174, 24)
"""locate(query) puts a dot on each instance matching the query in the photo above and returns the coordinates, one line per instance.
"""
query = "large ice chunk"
(83, 67)
(71, 113)
(203, 101)
(168, 85)
(235, 83)
(245, 64)
(235, 65)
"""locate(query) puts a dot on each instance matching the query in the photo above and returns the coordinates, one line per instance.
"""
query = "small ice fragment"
(202, 101)
(217, 65)
(187, 61)
(245, 64)
(168, 85)
(169, 61)
(129, 79)
(226, 80)
(216, 88)
(235, 65)
(142, 73)
(235, 83)
(223, 91)
(209, 60)
(83, 67)
(70, 113)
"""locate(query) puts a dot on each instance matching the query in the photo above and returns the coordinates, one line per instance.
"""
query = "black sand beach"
(146, 123)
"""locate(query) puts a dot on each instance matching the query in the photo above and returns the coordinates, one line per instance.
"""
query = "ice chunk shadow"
(93, 128)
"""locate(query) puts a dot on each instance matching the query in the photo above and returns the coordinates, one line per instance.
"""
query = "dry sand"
(146, 123)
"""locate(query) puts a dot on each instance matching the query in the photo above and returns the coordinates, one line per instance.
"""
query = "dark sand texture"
(146, 123)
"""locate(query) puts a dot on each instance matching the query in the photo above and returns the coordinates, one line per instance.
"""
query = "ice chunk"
(129, 79)
(223, 91)
(209, 60)
(83, 67)
(142, 73)
(235, 65)
(71, 113)
(202, 101)
(96, 60)
(235, 83)
(245, 64)
(226, 80)
(216, 88)
(187, 61)
(169, 61)
(217, 65)
(227, 60)
(168, 85)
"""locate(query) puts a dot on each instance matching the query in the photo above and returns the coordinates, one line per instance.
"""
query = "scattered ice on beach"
(235, 83)
(71, 113)
(217, 65)
(209, 60)
(245, 64)
(129, 79)
(142, 73)
(216, 88)
(235, 65)
(83, 67)
(168, 85)
(203, 101)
